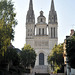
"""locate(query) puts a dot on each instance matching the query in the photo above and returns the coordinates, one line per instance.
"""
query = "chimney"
(72, 32)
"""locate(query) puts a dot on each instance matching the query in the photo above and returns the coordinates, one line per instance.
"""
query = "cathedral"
(41, 36)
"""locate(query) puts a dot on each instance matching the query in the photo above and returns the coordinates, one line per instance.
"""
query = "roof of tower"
(31, 5)
(52, 14)
(41, 14)
(30, 18)
(41, 19)
(52, 6)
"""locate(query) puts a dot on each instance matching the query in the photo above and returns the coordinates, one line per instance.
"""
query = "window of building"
(52, 18)
(51, 32)
(54, 32)
(43, 31)
(41, 20)
(41, 59)
(39, 31)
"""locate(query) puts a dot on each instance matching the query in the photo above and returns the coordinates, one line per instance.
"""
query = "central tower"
(41, 36)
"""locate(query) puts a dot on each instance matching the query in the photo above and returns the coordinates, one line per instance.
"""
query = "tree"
(56, 57)
(70, 49)
(7, 24)
(28, 56)
(12, 55)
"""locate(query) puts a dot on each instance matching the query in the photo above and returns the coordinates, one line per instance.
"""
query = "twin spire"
(30, 13)
(31, 5)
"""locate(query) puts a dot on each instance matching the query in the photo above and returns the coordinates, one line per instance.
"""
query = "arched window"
(43, 31)
(51, 32)
(54, 32)
(41, 59)
(52, 19)
(41, 19)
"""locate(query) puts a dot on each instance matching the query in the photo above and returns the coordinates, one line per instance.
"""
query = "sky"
(65, 12)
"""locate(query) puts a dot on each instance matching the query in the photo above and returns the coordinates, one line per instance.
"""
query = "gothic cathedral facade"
(41, 36)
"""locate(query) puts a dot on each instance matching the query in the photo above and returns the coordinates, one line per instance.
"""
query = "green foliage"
(16, 70)
(12, 55)
(56, 57)
(28, 56)
(7, 24)
(70, 49)
(13, 59)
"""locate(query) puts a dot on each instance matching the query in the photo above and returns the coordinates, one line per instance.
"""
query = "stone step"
(41, 69)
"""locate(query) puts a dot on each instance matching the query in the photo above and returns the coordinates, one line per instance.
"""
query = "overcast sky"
(65, 11)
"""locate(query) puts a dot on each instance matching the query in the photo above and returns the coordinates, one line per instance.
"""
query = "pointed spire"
(52, 6)
(30, 18)
(52, 14)
(31, 5)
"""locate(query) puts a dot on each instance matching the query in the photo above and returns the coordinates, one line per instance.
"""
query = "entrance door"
(41, 59)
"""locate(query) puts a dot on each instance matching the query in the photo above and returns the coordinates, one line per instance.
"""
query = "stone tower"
(45, 37)
(52, 26)
(30, 25)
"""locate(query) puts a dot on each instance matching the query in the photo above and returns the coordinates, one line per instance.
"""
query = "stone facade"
(41, 36)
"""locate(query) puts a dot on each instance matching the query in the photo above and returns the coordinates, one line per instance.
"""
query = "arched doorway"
(41, 59)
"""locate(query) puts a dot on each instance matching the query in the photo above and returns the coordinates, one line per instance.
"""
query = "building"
(67, 69)
(41, 36)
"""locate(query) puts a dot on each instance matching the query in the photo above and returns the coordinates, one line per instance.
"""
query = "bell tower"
(30, 25)
(52, 25)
